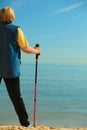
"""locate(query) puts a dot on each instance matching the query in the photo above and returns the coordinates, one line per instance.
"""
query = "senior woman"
(12, 41)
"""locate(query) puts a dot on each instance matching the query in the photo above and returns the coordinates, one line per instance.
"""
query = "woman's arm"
(23, 44)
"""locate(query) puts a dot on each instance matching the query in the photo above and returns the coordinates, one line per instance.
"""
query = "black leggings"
(13, 88)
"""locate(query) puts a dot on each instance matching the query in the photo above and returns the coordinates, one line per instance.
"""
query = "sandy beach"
(37, 128)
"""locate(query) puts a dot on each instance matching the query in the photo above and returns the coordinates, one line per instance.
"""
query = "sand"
(37, 128)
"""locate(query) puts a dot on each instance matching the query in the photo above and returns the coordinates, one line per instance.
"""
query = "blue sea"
(61, 95)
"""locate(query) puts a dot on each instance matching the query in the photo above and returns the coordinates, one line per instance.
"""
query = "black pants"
(13, 88)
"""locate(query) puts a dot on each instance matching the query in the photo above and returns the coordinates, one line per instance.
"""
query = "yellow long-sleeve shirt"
(22, 41)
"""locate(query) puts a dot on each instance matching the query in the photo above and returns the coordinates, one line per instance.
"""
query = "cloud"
(67, 9)
(12, 3)
(80, 41)
(49, 36)
(17, 3)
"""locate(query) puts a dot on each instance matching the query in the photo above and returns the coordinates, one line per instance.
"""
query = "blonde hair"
(7, 15)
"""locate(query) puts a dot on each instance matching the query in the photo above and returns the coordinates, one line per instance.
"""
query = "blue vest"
(9, 51)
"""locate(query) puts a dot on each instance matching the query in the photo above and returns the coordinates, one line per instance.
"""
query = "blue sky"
(59, 26)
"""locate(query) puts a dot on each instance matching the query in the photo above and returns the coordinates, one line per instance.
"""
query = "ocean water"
(61, 95)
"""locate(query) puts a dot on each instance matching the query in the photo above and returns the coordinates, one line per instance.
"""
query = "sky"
(58, 26)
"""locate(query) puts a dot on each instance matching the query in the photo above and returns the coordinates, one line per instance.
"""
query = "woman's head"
(7, 15)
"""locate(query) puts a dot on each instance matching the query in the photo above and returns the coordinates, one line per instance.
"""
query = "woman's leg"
(13, 88)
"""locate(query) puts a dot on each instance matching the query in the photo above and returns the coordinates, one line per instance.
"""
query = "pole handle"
(37, 45)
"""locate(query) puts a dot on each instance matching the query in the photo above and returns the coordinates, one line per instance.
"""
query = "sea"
(61, 95)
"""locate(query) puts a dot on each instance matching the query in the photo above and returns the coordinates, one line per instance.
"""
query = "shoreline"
(10, 127)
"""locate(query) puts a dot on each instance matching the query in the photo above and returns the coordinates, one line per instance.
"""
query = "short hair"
(7, 15)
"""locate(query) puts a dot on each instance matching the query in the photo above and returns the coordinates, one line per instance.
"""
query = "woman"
(12, 41)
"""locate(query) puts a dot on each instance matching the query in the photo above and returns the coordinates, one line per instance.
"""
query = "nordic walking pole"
(35, 86)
